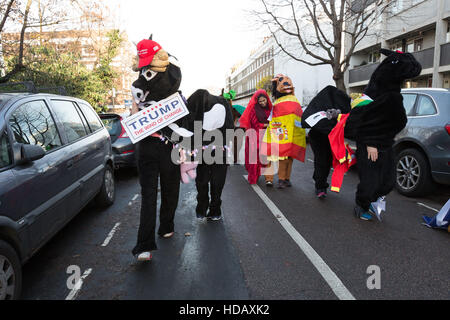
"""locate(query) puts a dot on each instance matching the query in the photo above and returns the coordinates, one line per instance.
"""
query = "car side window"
(32, 123)
(70, 118)
(408, 102)
(5, 151)
(425, 106)
(91, 117)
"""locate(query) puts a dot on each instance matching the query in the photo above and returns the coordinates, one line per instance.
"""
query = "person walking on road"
(154, 159)
(284, 139)
(374, 126)
(255, 117)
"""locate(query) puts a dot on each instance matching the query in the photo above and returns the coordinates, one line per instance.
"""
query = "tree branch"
(7, 11)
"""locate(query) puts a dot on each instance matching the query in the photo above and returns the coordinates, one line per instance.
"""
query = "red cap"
(146, 51)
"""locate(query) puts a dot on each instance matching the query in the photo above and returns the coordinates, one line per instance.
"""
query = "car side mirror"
(31, 153)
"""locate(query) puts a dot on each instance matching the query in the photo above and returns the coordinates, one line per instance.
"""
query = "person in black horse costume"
(161, 77)
(374, 127)
(334, 101)
(214, 113)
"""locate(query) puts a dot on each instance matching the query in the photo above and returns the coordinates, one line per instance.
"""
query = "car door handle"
(70, 164)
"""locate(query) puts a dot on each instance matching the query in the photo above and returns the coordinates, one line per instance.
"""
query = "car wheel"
(107, 193)
(413, 173)
(10, 273)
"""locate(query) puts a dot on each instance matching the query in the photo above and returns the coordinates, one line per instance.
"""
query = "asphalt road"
(272, 244)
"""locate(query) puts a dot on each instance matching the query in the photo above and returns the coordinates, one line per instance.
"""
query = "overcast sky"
(207, 36)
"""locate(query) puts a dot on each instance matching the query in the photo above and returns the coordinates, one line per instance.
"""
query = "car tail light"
(123, 134)
(128, 151)
(447, 127)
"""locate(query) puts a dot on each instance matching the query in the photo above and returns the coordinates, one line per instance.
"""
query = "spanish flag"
(285, 136)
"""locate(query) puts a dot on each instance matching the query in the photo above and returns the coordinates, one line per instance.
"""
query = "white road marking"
(110, 235)
(76, 290)
(329, 276)
(135, 197)
(428, 207)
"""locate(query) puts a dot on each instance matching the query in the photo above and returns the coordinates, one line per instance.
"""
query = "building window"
(448, 31)
(410, 46)
(374, 57)
(418, 44)
(397, 46)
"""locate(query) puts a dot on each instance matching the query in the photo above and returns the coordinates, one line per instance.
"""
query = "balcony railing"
(445, 55)
(362, 73)
(245, 93)
(425, 57)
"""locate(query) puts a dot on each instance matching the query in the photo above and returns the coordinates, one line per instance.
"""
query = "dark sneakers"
(288, 183)
(321, 193)
(269, 184)
(362, 214)
(281, 184)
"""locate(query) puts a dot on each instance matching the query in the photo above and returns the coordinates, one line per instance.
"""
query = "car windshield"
(113, 126)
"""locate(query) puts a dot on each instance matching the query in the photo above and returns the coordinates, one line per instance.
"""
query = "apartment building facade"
(266, 61)
(420, 27)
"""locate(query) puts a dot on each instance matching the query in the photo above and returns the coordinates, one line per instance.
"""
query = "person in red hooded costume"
(255, 121)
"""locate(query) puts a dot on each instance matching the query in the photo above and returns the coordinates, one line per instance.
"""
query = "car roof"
(5, 97)
(426, 90)
(109, 115)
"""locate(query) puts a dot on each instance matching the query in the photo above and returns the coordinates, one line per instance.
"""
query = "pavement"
(272, 244)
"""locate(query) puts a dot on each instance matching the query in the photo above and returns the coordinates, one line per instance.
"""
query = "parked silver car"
(423, 148)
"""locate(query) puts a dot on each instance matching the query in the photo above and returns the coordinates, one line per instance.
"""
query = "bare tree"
(6, 7)
(19, 64)
(23, 17)
(312, 31)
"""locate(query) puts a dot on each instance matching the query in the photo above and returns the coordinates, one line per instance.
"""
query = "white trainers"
(145, 256)
(168, 235)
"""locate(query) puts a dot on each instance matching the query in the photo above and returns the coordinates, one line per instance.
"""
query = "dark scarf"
(261, 112)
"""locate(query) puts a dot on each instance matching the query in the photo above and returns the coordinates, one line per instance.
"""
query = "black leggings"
(213, 175)
(323, 160)
(377, 178)
(154, 160)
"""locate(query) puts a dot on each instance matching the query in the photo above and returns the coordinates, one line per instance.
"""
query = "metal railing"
(362, 73)
(445, 55)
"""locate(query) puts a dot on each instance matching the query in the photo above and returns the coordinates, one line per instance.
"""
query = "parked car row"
(55, 157)
(123, 148)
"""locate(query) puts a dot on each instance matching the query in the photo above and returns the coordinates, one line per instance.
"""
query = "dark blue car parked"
(55, 157)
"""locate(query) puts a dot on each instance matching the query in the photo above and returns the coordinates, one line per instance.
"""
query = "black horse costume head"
(392, 72)
(377, 123)
(159, 73)
(160, 77)
(384, 88)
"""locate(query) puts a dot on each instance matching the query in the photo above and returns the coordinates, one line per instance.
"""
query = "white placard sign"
(155, 117)
(316, 117)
